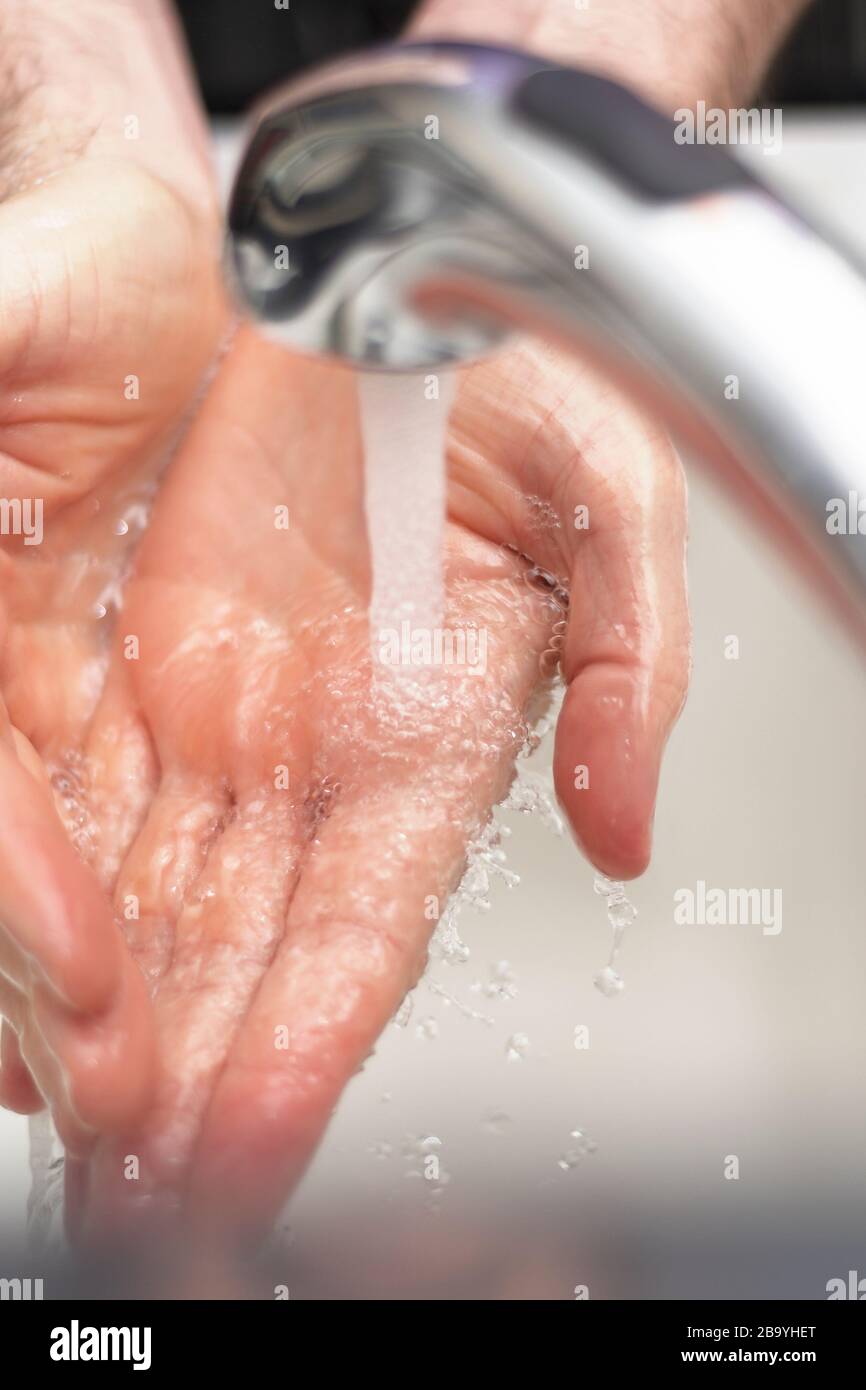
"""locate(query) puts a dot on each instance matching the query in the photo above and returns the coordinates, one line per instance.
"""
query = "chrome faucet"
(407, 208)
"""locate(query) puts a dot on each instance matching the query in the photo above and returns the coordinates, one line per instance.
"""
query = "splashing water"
(381, 1149)
(423, 1158)
(620, 914)
(417, 1147)
(530, 793)
(485, 862)
(463, 1009)
(580, 1148)
(517, 1047)
(404, 1013)
(501, 985)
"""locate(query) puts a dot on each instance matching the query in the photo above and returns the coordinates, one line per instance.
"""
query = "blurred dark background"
(242, 47)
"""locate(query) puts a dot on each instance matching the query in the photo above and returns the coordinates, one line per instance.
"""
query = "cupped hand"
(110, 311)
(307, 815)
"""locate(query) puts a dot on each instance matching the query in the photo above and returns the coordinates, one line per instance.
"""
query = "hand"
(110, 311)
(282, 918)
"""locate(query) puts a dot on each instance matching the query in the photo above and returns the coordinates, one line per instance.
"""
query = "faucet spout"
(408, 208)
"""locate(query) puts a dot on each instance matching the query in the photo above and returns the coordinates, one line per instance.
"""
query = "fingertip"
(606, 770)
(56, 914)
(617, 853)
(109, 1061)
(51, 904)
(18, 1091)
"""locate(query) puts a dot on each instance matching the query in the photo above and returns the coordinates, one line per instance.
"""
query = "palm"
(110, 315)
(299, 820)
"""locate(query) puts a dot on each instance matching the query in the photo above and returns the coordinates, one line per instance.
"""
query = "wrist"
(673, 53)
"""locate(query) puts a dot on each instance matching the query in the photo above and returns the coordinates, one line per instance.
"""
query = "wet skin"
(197, 990)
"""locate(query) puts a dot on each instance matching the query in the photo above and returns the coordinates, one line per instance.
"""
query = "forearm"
(102, 78)
(674, 52)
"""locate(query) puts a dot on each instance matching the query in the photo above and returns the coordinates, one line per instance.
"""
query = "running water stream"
(403, 424)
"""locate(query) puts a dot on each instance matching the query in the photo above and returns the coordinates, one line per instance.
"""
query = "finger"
(379, 868)
(18, 1090)
(225, 937)
(626, 656)
(108, 1061)
(167, 857)
(123, 770)
(50, 903)
(581, 481)
(95, 1074)
(43, 1066)
(355, 944)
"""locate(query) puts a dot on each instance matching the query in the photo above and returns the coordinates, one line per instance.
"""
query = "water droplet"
(543, 515)
(609, 981)
(577, 1151)
(607, 887)
(620, 912)
(502, 983)
(517, 1047)
(428, 1029)
(416, 1147)
(476, 881)
(449, 999)
(541, 580)
(404, 1013)
(531, 794)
